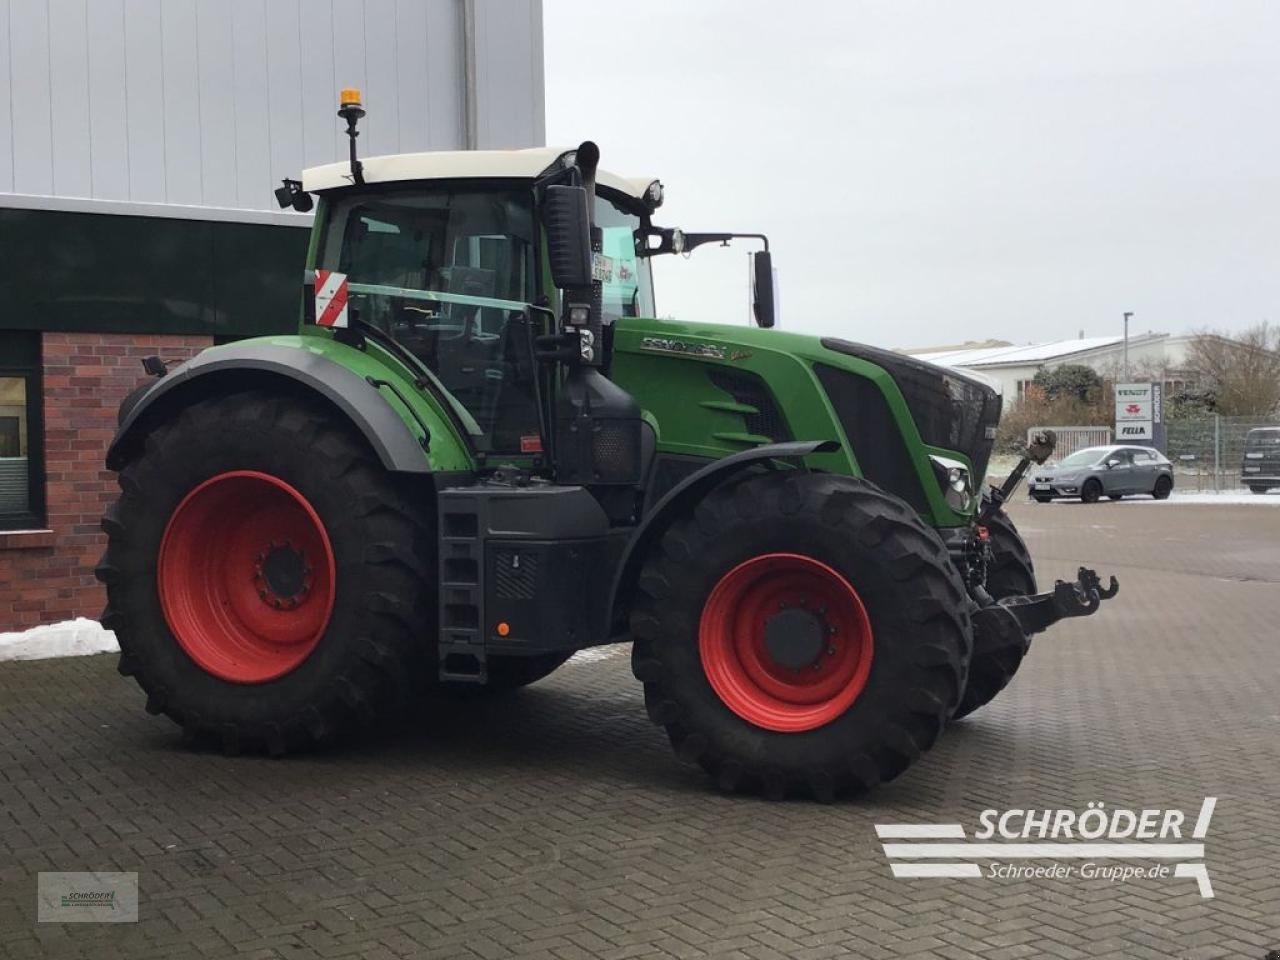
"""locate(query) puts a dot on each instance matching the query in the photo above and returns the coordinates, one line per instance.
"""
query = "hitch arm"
(1037, 452)
(1079, 598)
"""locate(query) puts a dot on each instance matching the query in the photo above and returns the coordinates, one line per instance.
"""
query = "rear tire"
(998, 645)
(1042, 499)
(209, 642)
(1162, 489)
(1115, 496)
(856, 548)
(1091, 491)
(1258, 488)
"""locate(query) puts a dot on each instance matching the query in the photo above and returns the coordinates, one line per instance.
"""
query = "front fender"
(684, 494)
(398, 447)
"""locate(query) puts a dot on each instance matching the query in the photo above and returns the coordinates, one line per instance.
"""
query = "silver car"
(1095, 472)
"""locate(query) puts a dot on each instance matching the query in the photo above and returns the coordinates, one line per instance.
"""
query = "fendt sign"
(1138, 410)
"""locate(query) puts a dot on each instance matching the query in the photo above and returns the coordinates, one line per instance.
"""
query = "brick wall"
(47, 577)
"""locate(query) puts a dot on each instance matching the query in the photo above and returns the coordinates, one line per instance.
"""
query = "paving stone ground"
(557, 824)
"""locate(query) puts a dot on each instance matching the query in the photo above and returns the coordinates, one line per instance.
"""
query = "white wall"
(211, 102)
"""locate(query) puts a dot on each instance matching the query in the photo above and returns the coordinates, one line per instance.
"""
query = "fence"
(1209, 452)
(1071, 439)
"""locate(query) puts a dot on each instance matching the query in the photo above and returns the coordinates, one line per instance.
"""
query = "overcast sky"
(930, 173)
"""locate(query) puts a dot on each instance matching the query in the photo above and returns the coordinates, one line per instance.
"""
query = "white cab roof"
(460, 165)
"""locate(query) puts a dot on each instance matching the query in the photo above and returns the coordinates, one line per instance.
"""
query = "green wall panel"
(114, 273)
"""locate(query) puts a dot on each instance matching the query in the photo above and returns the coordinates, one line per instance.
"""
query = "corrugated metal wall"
(211, 102)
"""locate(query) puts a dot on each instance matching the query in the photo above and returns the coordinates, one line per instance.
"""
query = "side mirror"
(1112, 463)
(762, 288)
(568, 222)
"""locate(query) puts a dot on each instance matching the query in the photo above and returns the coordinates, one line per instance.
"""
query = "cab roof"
(462, 165)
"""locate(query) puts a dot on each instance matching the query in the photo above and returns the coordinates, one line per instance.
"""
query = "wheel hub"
(282, 575)
(246, 576)
(785, 642)
(795, 638)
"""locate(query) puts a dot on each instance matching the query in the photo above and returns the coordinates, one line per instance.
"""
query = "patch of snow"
(592, 654)
(1226, 498)
(72, 638)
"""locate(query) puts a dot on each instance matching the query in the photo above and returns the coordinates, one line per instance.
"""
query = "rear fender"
(683, 496)
(399, 447)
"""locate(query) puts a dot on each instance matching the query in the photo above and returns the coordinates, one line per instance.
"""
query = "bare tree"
(1240, 373)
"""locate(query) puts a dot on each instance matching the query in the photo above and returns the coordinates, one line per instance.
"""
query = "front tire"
(1091, 491)
(998, 644)
(857, 682)
(268, 581)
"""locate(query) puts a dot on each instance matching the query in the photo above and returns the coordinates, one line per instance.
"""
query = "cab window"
(474, 247)
(629, 290)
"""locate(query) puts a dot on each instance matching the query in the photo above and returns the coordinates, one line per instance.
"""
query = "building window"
(21, 432)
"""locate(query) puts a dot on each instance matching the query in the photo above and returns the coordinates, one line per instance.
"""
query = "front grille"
(748, 389)
(950, 410)
(868, 423)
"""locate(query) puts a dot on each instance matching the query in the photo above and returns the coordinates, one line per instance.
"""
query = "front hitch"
(1079, 598)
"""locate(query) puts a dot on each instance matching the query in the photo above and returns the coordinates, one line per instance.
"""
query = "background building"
(141, 145)
(1158, 355)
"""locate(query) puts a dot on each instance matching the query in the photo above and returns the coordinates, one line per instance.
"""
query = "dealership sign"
(1139, 408)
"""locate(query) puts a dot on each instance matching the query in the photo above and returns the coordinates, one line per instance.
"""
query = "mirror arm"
(666, 237)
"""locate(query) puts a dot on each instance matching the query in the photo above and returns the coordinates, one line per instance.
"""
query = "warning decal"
(331, 298)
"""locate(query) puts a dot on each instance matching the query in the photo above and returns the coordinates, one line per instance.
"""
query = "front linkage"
(1038, 612)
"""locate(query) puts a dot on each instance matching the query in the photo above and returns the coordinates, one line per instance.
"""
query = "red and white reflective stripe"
(331, 298)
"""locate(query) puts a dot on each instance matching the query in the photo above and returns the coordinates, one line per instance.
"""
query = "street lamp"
(1126, 346)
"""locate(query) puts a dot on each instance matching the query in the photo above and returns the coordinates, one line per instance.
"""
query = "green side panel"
(449, 451)
(698, 419)
(115, 273)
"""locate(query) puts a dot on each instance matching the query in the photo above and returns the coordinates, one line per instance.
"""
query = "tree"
(1069, 381)
(1242, 373)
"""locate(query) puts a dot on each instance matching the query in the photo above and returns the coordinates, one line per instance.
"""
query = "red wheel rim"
(246, 576)
(739, 642)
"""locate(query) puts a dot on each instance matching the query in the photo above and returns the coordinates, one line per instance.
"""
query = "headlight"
(956, 483)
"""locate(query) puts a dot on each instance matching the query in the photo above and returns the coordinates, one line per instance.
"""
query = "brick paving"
(557, 824)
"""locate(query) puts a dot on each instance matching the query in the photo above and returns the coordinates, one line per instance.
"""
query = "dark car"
(1113, 471)
(1260, 466)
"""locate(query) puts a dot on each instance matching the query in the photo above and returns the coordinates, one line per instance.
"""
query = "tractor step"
(461, 646)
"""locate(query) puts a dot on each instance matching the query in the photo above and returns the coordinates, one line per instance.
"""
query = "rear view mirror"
(762, 288)
(568, 222)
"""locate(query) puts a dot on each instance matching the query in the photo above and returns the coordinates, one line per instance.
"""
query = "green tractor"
(481, 453)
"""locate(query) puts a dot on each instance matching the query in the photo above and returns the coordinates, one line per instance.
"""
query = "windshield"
(446, 273)
(629, 291)
(1084, 458)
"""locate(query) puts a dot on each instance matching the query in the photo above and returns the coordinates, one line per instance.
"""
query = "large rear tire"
(801, 633)
(268, 581)
(998, 646)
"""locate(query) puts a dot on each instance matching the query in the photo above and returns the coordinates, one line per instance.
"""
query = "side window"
(473, 250)
(21, 455)
(629, 290)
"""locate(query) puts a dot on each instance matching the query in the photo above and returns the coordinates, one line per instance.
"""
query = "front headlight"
(956, 483)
